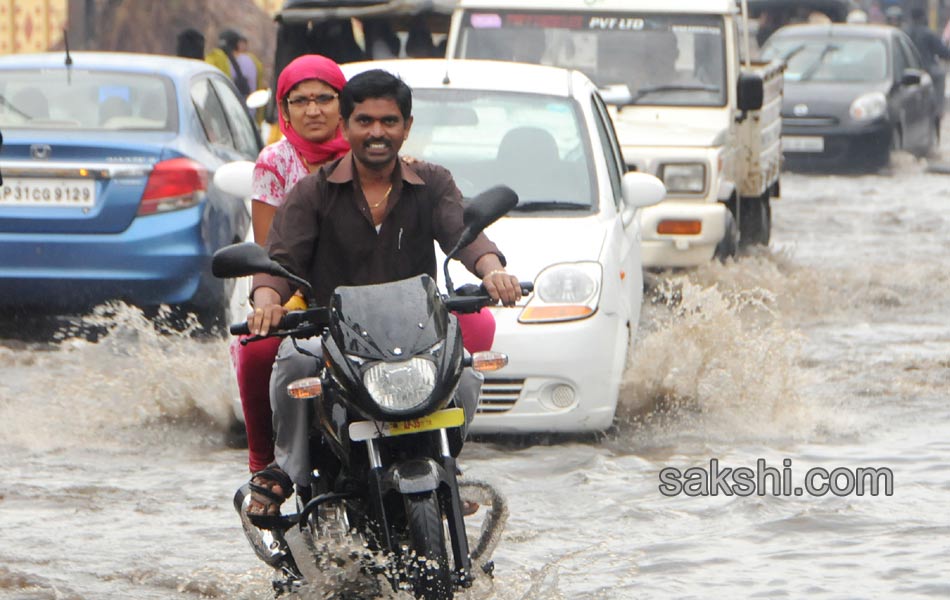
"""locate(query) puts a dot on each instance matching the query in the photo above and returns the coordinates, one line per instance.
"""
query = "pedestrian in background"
(931, 50)
(253, 70)
(894, 16)
(191, 44)
(251, 67)
(225, 58)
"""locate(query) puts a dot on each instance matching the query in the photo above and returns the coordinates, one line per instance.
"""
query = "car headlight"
(869, 107)
(564, 292)
(400, 386)
(684, 178)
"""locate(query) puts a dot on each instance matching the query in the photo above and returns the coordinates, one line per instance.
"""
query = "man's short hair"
(918, 15)
(375, 83)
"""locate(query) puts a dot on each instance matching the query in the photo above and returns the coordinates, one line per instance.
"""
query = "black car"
(853, 93)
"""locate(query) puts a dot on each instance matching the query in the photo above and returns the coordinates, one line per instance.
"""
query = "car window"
(86, 99)
(239, 120)
(536, 144)
(211, 113)
(899, 59)
(909, 53)
(608, 139)
(829, 59)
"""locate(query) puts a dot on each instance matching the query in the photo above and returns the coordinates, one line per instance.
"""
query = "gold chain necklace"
(385, 198)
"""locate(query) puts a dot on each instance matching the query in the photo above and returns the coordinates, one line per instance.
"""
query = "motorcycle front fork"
(448, 495)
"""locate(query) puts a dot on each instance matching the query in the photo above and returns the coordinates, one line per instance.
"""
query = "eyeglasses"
(304, 101)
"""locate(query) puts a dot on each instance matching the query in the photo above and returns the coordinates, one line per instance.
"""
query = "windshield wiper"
(810, 71)
(794, 51)
(8, 104)
(550, 205)
(671, 88)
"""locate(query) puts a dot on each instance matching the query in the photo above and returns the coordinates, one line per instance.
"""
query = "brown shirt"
(324, 231)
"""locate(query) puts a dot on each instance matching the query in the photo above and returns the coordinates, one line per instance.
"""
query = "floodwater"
(829, 350)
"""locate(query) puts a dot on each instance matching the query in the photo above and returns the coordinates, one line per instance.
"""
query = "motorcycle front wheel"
(427, 565)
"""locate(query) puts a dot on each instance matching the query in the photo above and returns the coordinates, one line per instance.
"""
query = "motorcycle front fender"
(414, 476)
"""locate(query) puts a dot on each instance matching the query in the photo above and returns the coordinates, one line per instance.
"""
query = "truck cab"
(687, 108)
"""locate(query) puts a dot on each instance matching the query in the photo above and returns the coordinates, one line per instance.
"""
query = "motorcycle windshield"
(388, 321)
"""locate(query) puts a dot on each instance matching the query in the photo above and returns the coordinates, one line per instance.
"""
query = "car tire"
(728, 246)
(755, 221)
(888, 150)
(933, 139)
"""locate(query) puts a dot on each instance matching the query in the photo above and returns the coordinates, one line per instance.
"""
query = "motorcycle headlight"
(684, 178)
(869, 107)
(564, 292)
(400, 386)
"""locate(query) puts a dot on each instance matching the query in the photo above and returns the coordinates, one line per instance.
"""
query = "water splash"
(715, 357)
(135, 383)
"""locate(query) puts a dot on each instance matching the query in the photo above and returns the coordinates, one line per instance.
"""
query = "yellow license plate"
(366, 430)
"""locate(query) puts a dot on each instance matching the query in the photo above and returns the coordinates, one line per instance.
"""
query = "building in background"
(37, 25)
(31, 25)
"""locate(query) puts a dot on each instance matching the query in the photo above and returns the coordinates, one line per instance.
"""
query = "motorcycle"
(388, 421)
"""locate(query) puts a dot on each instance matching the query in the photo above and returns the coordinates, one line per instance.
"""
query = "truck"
(689, 104)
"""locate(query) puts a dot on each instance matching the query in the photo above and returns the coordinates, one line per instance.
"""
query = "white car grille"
(499, 395)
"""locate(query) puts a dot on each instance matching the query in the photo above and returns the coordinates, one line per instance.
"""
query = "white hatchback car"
(546, 133)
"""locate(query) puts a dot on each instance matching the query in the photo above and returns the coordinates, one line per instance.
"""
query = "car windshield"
(829, 59)
(84, 99)
(535, 144)
(661, 59)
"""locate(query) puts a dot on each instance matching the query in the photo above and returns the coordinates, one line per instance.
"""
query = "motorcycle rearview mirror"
(248, 258)
(480, 212)
(483, 210)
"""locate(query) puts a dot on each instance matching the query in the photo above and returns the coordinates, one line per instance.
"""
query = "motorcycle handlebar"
(471, 298)
(239, 329)
(467, 299)
(296, 321)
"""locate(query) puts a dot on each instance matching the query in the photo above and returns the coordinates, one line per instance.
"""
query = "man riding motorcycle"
(366, 218)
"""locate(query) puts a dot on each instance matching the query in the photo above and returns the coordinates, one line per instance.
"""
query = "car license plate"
(34, 191)
(367, 430)
(803, 143)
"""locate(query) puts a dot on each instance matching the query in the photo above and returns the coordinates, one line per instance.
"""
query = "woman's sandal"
(262, 486)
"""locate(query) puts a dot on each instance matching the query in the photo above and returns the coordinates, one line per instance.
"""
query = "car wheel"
(728, 246)
(933, 138)
(885, 151)
(755, 221)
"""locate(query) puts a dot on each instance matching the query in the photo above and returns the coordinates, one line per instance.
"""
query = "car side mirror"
(750, 92)
(911, 77)
(641, 189)
(235, 178)
(617, 94)
(257, 99)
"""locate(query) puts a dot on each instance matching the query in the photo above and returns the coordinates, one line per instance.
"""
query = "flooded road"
(829, 350)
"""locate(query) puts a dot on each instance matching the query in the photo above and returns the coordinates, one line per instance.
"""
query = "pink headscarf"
(302, 68)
